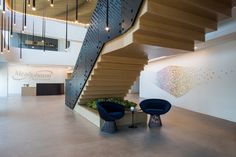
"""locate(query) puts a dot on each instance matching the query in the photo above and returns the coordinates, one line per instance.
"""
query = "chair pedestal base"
(109, 127)
(154, 121)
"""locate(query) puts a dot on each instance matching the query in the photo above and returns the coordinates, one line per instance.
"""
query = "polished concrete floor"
(44, 127)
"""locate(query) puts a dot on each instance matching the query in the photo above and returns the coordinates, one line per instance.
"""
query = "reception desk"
(43, 89)
(28, 91)
(49, 88)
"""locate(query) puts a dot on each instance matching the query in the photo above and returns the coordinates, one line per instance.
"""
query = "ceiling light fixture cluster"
(9, 20)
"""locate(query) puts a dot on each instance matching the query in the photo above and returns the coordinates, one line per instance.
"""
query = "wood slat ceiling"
(86, 8)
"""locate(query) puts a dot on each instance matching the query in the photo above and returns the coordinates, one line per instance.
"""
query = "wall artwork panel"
(179, 80)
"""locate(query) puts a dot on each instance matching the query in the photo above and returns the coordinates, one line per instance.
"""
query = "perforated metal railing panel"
(121, 17)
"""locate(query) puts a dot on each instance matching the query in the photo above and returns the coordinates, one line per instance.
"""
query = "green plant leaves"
(127, 104)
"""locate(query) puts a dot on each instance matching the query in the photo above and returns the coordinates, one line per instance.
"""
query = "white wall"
(18, 75)
(135, 87)
(202, 81)
(1, 5)
(3, 79)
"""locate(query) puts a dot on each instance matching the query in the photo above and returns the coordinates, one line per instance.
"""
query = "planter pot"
(93, 116)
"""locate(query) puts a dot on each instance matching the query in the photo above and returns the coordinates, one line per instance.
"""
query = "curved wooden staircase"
(175, 24)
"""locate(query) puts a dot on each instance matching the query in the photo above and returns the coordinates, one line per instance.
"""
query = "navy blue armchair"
(155, 107)
(109, 112)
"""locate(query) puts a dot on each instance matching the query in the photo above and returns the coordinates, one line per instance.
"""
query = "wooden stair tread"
(179, 15)
(116, 59)
(213, 5)
(189, 7)
(173, 31)
(117, 66)
(161, 40)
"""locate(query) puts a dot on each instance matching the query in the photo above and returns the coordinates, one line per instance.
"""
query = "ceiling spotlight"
(3, 11)
(76, 21)
(33, 8)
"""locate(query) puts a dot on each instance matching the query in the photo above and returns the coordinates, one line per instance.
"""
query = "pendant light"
(33, 5)
(33, 36)
(21, 36)
(8, 35)
(4, 29)
(1, 31)
(25, 13)
(14, 19)
(22, 28)
(66, 44)
(76, 12)
(28, 3)
(43, 30)
(4, 6)
(42, 27)
(51, 4)
(44, 35)
(107, 17)
(11, 18)
(23, 17)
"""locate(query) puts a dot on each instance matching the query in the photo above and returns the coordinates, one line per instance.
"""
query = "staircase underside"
(174, 24)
